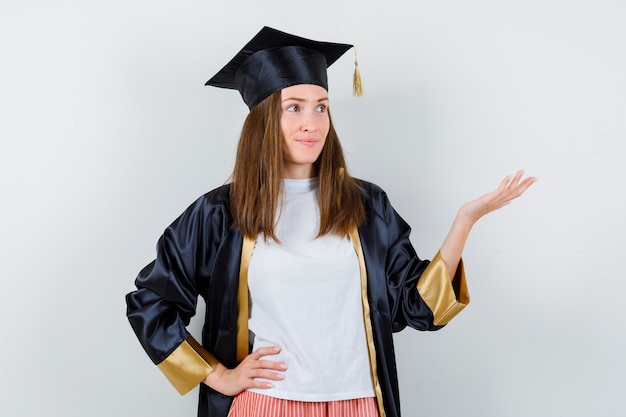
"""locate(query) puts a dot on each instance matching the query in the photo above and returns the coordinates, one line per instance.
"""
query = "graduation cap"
(274, 60)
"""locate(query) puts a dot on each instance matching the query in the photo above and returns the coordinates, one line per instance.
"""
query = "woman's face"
(304, 124)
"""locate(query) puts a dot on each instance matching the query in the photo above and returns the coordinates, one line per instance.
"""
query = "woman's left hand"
(508, 190)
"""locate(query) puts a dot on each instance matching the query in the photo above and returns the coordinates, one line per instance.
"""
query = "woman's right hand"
(232, 381)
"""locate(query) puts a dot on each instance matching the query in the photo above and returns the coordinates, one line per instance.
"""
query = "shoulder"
(219, 196)
(369, 188)
(379, 211)
(374, 197)
(215, 203)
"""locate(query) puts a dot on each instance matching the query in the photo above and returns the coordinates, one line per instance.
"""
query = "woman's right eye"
(293, 107)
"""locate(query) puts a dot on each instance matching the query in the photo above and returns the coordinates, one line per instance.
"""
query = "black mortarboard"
(274, 60)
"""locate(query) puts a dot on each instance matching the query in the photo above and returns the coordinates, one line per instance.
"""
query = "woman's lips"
(307, 142)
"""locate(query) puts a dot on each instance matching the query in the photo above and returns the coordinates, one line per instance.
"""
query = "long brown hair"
(258, 176)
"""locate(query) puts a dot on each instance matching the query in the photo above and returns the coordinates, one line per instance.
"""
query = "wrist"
(464, 221)
(213, 378)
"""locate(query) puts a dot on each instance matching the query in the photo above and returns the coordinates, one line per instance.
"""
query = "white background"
(107, 133)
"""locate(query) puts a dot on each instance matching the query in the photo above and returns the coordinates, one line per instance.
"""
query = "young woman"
(306, 271)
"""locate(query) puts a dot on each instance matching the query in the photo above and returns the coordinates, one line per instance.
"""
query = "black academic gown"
(200, 254)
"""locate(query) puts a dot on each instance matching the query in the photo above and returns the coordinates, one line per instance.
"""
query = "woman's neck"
(299, 172)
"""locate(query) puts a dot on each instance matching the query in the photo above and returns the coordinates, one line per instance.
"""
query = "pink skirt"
(251, 404)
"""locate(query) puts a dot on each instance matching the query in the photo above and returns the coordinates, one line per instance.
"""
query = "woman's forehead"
(304, 92)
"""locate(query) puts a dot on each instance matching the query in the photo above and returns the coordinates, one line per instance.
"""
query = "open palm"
(508, 190)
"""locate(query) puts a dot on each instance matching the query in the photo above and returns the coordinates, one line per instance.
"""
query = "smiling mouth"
(307, 142)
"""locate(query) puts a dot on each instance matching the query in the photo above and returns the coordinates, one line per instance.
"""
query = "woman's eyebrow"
(303, 99)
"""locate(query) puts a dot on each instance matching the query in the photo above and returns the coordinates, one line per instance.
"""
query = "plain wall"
(107, 133)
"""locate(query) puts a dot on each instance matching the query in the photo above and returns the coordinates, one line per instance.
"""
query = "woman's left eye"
(321, 108)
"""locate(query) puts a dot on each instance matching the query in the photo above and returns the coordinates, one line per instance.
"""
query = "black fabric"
(272, 70)
(200, 254)
(273, 60)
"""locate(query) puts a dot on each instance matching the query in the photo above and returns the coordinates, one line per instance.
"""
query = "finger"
(515, 179)
(523, 185)
(504, 183)
(265, 364)
(259, 384)
(530, 181)
(261, 373)
(265, 351)
(520, 188)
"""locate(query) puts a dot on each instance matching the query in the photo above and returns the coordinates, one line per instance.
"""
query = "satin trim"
(445, 298)
(369, 334)
(188, 365)
(243, 299)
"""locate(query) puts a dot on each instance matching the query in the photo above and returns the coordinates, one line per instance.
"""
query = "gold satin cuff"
(188, 365)
(445, 298)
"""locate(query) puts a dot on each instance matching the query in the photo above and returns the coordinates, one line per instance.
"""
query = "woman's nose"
(308, 123)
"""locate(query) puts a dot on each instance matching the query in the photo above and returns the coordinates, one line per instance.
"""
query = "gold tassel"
(357, 84)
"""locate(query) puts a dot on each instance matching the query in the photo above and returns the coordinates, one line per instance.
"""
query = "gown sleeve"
(421, 293)
(166, 296)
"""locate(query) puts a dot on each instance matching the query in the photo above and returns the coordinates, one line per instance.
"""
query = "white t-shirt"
(306, 298)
